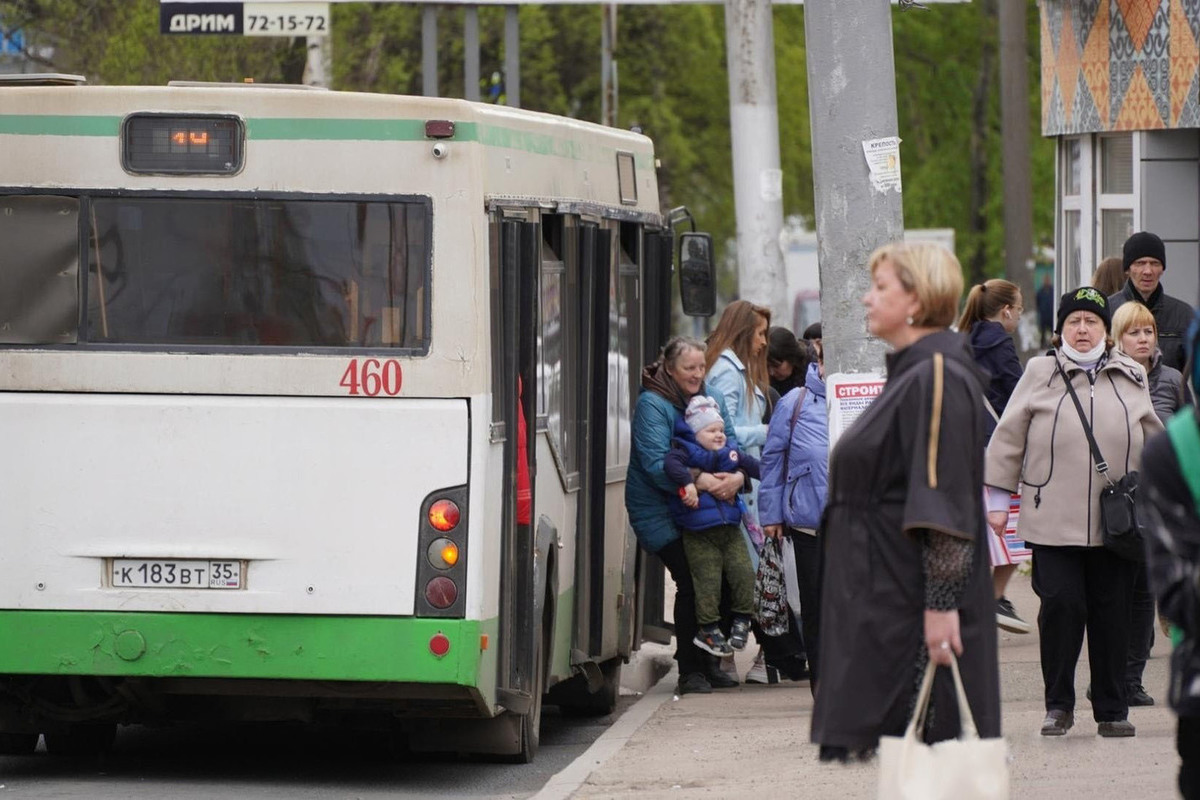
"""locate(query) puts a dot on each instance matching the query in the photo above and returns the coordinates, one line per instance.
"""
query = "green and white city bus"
(259, 358)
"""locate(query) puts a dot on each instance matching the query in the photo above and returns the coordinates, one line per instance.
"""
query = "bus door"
(520, 243)
(596, 611)
(651, 622)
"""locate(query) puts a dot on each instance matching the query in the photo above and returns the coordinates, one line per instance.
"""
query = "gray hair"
(676, 346)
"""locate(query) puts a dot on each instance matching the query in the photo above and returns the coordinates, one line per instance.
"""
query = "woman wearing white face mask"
(1041, 443)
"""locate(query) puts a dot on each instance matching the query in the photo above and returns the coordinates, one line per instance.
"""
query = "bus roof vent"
(232, 85)
(42, 79)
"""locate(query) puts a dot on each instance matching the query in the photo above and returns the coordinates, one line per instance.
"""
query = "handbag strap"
(787, 452)
(1101, 464)
(965, 718)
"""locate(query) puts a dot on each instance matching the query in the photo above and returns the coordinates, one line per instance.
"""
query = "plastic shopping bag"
(791, 579)
(770, 604)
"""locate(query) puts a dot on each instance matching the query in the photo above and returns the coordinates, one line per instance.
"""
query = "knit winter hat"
(1084, 298)
(1144, 244)
(701, 412)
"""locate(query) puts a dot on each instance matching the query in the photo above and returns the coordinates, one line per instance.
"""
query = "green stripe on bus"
(166, 645)
(58, 125)
(385, 130)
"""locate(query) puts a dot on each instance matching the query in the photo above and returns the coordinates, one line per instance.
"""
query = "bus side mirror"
(697, 276)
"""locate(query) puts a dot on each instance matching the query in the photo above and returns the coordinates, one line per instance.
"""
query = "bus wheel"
(17, 744)
(531, 720)
(577, 701)
(82, 740)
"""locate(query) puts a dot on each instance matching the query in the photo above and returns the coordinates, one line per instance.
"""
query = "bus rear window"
(39, 269)
(258, 273)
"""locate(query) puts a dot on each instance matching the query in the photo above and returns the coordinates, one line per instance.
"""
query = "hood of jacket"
(987, 334)
(814, 382)
(655, 378)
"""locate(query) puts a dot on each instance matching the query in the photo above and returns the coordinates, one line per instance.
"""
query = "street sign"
(232, 11)
(261, 18)
(12, 42)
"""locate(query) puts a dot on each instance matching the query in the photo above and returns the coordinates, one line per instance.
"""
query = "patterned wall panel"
(1120, 65)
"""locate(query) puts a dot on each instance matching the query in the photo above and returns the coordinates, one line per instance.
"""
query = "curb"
(568, 780)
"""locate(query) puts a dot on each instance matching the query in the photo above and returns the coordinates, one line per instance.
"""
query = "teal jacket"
(647, 487)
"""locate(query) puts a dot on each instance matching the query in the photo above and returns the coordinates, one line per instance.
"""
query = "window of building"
(1098, 185)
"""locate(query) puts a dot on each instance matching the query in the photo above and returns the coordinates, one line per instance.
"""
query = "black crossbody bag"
(1118, 519)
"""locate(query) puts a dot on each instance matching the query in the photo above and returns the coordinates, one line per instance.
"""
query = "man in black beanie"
(1145, 260)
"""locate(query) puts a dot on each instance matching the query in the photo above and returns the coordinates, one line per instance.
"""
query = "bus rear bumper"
(244, 646)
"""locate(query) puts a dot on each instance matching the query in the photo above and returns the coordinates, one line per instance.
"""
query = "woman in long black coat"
(906, 573)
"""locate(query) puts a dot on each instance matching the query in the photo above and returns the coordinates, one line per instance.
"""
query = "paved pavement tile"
(753, 741)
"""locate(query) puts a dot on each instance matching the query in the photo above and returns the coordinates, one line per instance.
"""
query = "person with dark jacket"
(989, 319)
(1145, 260)
(1169, 500)
(787, 361)
(667, 386)
(904, 579)
(1135, 333)
(712, 538)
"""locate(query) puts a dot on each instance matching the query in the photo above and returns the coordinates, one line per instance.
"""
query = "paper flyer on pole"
(849, 395)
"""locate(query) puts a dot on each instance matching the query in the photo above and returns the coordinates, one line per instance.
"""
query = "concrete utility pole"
(512, 56)
(471, 53)
(757, 178)
(852, 99)
(608, 43)
(429, 76)
(318, 65)
(1018, 191)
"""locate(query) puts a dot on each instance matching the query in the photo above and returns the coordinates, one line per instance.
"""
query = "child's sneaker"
(710, 639)
(739, 633)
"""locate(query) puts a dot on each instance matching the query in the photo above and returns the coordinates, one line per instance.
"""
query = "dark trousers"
(808, 571)
(1141, 632)
(690, 658)
(1187, 741)
(1084, 589)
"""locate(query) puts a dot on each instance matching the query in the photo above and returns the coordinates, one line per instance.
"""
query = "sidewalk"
(752, 741)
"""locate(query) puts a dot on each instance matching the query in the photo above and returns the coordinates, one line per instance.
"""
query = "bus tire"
(18, 744)
(531, 720)
(577, 701)
(90, 739)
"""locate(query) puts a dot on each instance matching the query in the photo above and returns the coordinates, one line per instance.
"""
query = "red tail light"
(443, 515)
(439, 645)
(441, 592)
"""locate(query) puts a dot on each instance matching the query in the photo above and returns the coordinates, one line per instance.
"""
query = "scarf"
(1087, 360)
(655, 378)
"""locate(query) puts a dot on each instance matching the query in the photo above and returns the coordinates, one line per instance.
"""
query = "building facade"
(1121, 95)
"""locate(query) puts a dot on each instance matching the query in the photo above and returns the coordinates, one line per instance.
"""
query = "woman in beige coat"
(1040, 442)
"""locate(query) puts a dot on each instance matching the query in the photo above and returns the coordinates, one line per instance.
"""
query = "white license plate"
(151, 573)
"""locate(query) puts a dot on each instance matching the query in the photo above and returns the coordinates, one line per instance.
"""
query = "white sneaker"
(760, 672)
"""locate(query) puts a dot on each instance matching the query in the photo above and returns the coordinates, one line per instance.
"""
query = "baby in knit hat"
(712, 537)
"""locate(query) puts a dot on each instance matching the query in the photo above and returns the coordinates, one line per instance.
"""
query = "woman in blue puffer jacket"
(795, 481)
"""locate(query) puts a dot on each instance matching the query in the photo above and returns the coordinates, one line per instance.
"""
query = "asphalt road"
(248, 761)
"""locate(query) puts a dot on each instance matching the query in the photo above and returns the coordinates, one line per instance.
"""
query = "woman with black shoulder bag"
(1071, 436)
